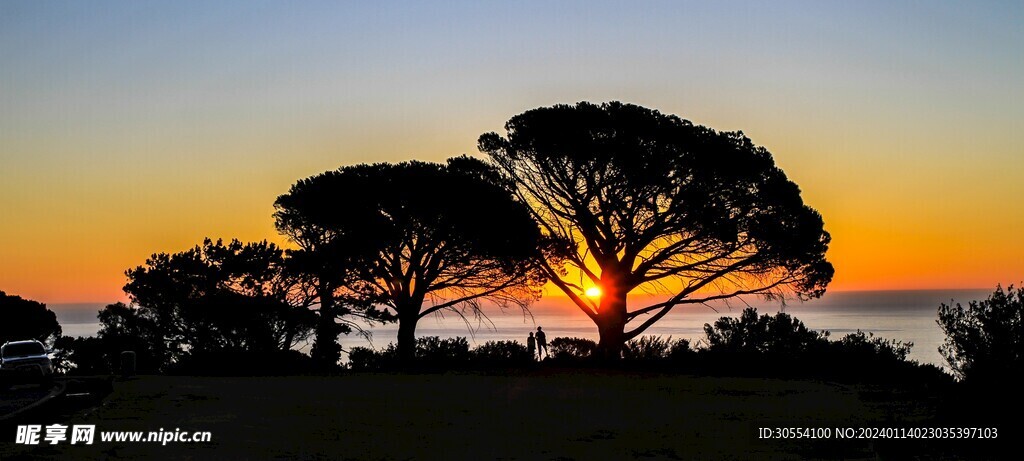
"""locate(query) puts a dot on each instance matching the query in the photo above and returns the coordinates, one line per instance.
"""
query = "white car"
(28, 356)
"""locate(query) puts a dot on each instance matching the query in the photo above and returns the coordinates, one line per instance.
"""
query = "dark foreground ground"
(542, 415)
(14, 399)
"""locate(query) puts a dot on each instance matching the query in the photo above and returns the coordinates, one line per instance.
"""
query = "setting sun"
(593, 292)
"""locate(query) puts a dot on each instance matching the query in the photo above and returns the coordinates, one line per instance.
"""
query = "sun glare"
(593, 292)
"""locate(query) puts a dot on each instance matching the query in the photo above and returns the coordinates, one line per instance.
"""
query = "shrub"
(572, 348)
(680, 351)
(780, 334)
(434, 350)
(985, 340)
(364, 358)
(781, 345)
(431, 351)
(501, 352)
(648, 348)
(868, 346)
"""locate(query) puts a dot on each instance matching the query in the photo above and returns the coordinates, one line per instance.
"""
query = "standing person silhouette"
(531, 346)
(542, 344)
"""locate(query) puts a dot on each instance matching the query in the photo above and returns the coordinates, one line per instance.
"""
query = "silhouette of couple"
(537, 344)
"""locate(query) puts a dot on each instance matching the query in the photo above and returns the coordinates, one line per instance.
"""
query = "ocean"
(902, 315)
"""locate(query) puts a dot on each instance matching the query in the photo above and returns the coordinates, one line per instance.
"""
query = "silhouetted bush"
(777, 345)
(985, 340)
(680, 351)
(749, 334)
(649, 348)
(434, 350)
(501, 353)
(364, 358)
(868, 346)
(563, 348)
(431, 352)
(984, 347)
(781, 345)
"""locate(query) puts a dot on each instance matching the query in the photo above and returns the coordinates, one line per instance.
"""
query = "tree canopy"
(415, 238)
(638, 199)
(985, 339)
(214, 297)
(22, 319)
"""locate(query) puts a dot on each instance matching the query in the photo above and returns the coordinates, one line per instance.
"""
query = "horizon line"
(560, 295)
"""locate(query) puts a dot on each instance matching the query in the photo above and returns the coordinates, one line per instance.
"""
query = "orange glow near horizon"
(901, 127)
(593, 292)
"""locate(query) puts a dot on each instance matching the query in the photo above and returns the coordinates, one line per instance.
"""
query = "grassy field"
(543, 414)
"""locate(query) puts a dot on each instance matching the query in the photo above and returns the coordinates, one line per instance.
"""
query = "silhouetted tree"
(639, 199)
(213, 297)
(416, 238)
(22, 319)
(985, 340)
(303, 215)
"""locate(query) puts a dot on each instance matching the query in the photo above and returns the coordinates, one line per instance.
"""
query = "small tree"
(214, 297)
(985, 340)
(22, 319)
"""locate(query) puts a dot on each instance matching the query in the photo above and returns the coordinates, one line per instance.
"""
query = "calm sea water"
(902, 315)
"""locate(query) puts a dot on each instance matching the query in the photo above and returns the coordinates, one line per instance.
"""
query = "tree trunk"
(407, 337)
(326, 351)
(289, 331)
(611, 323)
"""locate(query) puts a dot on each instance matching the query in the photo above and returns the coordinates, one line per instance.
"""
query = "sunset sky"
(128, 128)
